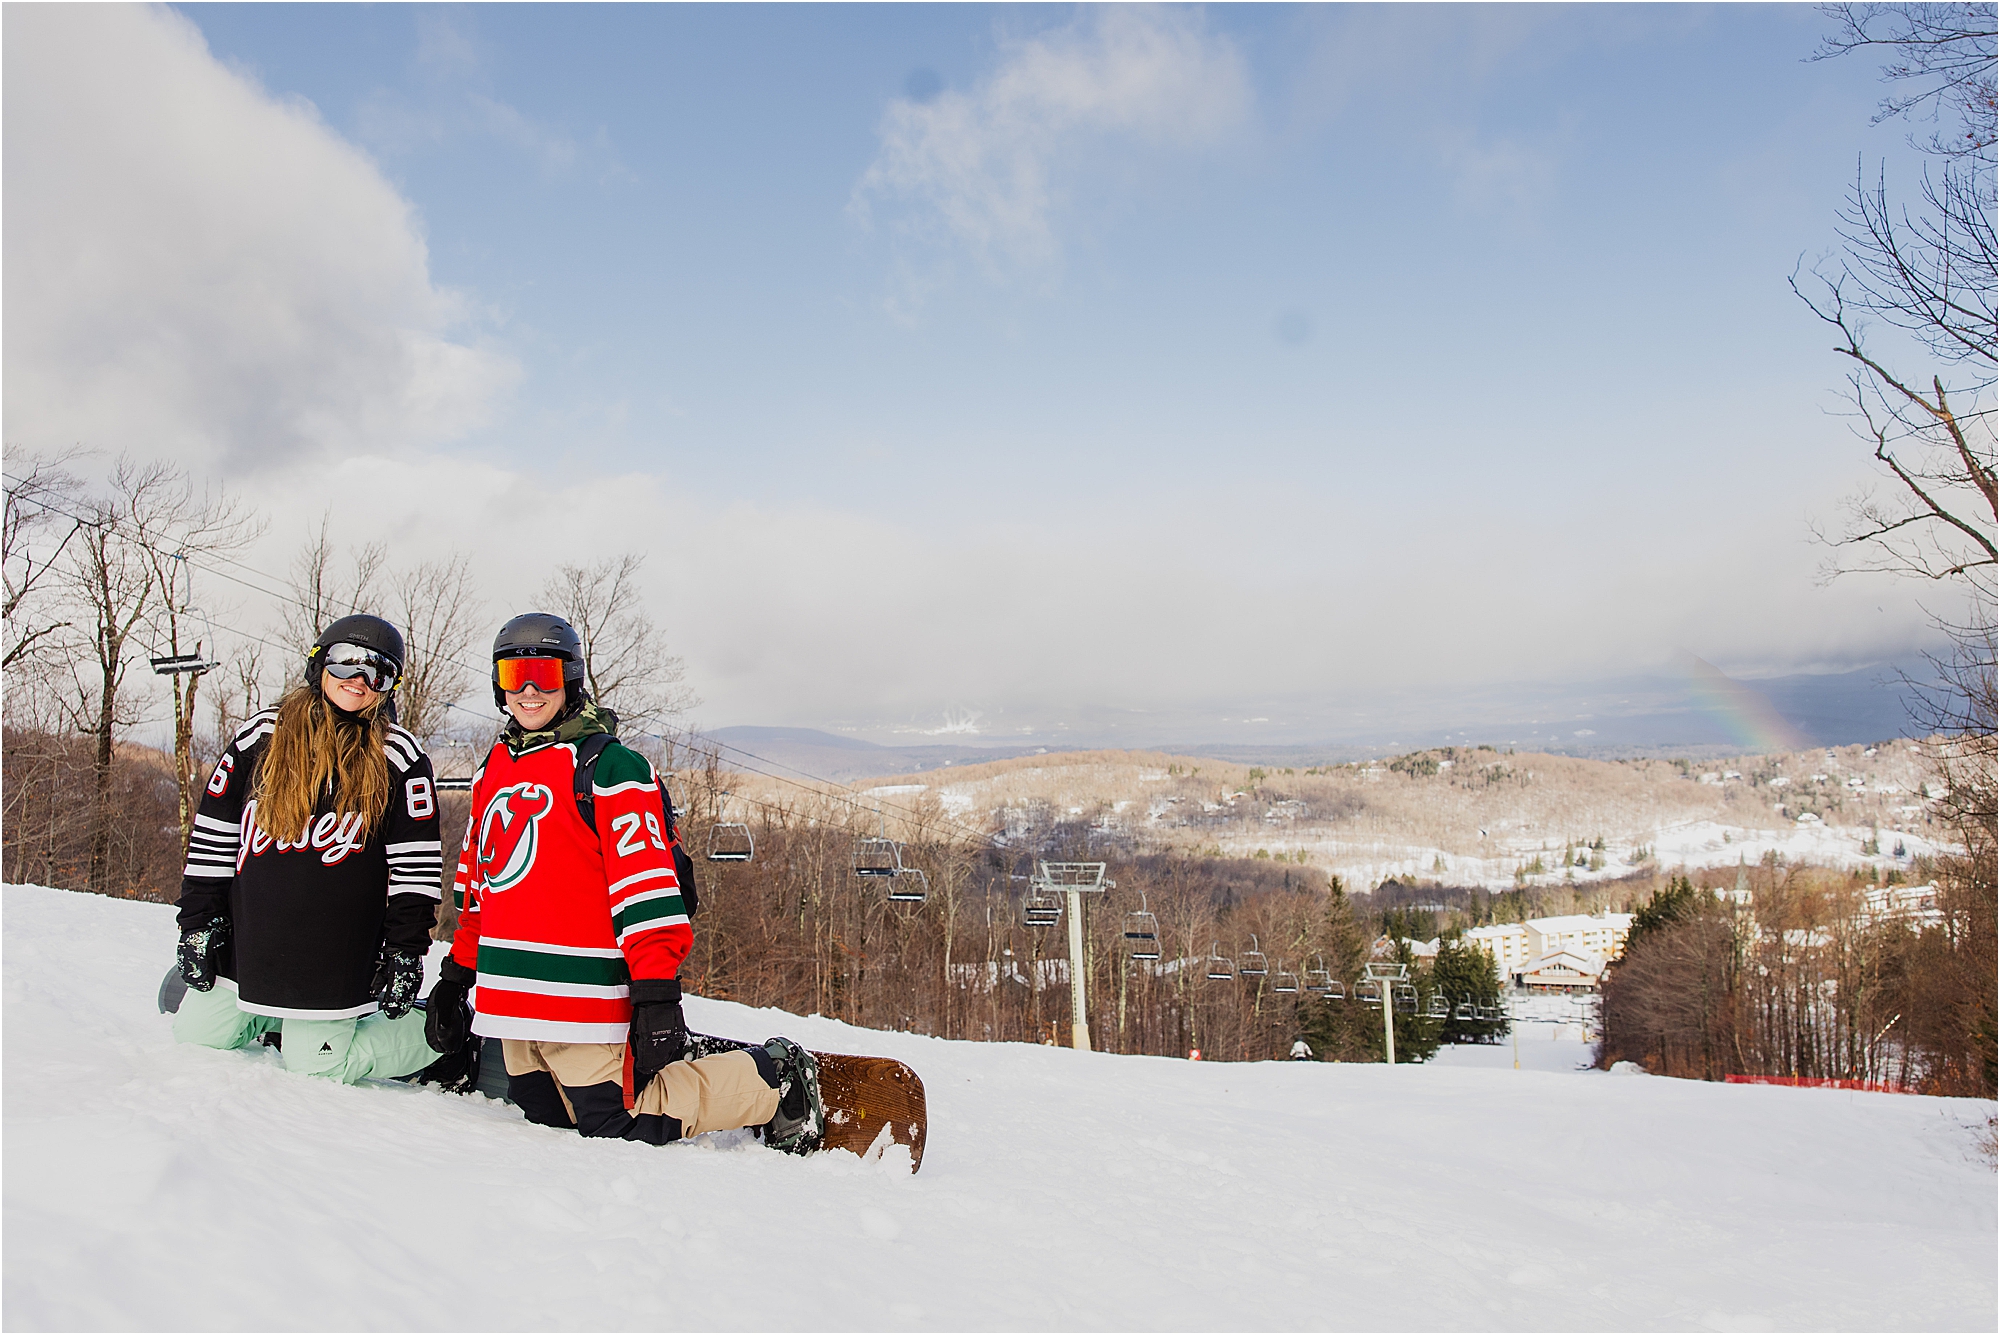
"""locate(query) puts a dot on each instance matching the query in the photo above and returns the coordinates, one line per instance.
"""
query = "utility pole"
(1075, 879)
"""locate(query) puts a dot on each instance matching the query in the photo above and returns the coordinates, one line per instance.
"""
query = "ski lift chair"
(1253, 964)
(1405, 998)
(1438, 1009)
(1465, 1010)
(1369, 992)
(1142, 932)
(909, 886)
(875, 855)
(1041, 907)
(730, 841)
(1336, 990)
(197, 662)
(1284, 980)
(1318, 981)
(1220, 969)
(1487, 1013)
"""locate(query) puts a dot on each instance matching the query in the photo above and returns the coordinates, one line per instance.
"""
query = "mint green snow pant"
(370, 1047)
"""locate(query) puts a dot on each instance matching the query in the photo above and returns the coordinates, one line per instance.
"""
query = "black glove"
(398, 979)
(200, 952)
(448, 1013)
(659, 1034)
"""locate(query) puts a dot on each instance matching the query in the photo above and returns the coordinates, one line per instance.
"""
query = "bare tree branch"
(1941, 58)
(42, 497)
(627, 666)
(439, 613)
(320, 595)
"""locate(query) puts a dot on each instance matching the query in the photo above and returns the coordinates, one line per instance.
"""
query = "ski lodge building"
(1566, 953)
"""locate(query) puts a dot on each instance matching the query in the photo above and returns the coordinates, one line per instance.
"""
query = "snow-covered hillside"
(1457, 816)
(150, 1185)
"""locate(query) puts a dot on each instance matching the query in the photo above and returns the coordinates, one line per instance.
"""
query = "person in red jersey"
(572, 930)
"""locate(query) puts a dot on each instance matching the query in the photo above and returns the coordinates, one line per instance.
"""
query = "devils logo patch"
(507, 833)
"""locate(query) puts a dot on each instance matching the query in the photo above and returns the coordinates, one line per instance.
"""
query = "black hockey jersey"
(308, 920)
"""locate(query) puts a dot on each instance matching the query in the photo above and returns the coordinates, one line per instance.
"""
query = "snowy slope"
(149, 1185)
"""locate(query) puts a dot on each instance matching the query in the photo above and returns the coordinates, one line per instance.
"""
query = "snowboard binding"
(799, 1125)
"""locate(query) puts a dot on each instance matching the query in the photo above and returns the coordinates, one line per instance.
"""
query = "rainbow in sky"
(1752, 720)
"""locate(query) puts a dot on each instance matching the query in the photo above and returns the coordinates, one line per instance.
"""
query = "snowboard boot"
(800, 1122)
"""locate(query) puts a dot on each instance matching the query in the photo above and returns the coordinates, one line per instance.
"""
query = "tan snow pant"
(709, 1094)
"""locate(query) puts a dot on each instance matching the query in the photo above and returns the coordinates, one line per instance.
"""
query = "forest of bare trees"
(1807, 972)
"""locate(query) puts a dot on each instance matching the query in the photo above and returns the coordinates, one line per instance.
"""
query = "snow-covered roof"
(1566, 962)
(1582, 922)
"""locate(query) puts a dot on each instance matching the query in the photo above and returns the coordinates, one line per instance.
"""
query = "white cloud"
(197, 269)
(801, 613)
(986, 168)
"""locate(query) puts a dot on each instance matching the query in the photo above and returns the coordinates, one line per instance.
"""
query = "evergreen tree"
(1665, 908)
(1340, 1030)
(1417, 1035)
(1466, 975)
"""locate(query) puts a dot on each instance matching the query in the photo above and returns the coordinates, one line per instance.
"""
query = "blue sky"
(1247, 352)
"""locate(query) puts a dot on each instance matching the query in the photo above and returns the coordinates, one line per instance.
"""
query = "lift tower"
(1075, 880)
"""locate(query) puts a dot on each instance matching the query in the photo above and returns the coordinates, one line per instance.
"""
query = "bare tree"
(42, 516)
(319, 593)
(111, 576)
(1928, 270)
(439, 613)
(242, 694)
(626, 663)
(189, 525)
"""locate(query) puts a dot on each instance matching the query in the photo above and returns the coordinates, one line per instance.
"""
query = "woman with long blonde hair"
(312, 877)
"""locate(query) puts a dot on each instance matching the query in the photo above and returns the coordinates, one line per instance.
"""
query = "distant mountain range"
(824, 755)
(1698, 713)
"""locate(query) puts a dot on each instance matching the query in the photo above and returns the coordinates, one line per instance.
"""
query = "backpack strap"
(587, 752)
(683, 862)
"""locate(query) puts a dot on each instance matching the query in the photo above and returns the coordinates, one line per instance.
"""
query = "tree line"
(124, 616)
(105, 575)
(1805, 972)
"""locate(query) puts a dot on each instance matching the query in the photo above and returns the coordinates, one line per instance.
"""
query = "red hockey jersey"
(557, 918)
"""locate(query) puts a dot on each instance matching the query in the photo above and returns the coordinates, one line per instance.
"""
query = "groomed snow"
(154, 1186)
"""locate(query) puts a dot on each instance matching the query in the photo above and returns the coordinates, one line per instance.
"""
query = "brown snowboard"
(869, 1097)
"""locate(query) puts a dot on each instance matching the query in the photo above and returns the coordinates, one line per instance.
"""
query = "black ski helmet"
(542, 635)
(370, 632)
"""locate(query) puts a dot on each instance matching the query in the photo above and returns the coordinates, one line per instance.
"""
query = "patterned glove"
(659, 1034)
(448, 1015)
(398, 979)
(201, 950)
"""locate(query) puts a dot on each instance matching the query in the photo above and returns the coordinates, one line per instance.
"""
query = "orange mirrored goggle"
(516, 674)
